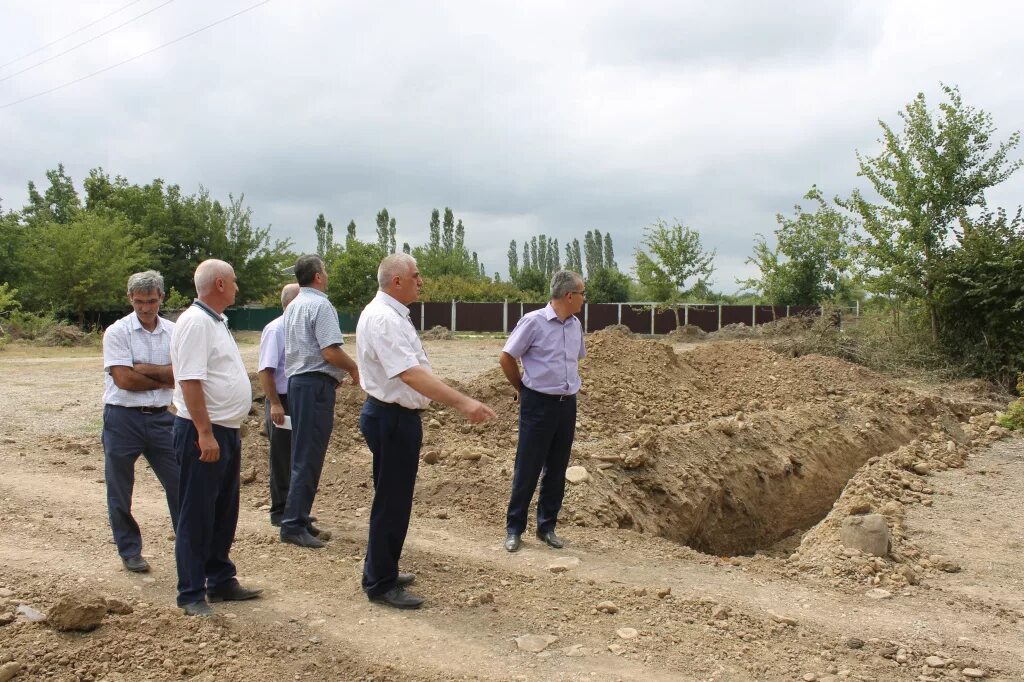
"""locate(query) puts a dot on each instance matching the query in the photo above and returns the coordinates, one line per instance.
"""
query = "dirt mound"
(617, 328)
(688, 333)
(80, 611)
(438, 333)
(65, 335)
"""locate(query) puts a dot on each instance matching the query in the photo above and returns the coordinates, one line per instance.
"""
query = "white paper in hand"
(287, 423)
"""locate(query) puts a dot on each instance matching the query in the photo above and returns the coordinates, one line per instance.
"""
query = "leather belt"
(155, 409)
(549, 396)
(381, 403)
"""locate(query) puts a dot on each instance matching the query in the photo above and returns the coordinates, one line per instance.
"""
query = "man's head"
(399, 277)
(146, 293)
(288, 293)
(310, 272)
(216, 284)
(567, 291)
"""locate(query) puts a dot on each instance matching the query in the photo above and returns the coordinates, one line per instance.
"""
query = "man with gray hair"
(315, 365)
(138, 383)
(549, 342)
(275, 385)
(399, 384)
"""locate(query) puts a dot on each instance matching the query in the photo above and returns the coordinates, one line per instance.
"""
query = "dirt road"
(675, 614)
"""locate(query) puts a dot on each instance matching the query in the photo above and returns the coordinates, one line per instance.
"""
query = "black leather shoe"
(232, 592)
(398, 598)
(303, 539)
(550, 539)
(319, 533)
(275, 520)
(135, 564)
(513, 541)
(199, 608)
(406, 579)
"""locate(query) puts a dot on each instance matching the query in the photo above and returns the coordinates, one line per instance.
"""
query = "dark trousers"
(311, 399)
(128, 433)
(209, 511)
(394, 435)
(280, 461)
(546, 430)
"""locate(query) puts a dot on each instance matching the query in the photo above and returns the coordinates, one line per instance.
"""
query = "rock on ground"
(82, 612)
(868, 533)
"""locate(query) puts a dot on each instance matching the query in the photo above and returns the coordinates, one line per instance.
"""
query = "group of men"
(195, 452)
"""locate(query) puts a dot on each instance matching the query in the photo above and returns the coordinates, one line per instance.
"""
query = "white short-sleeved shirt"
(272, 353)
(203, 348)
(310, 325)
(127, 342)
(387, 345)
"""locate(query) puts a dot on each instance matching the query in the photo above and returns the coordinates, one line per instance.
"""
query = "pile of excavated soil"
(687, 333)
(728, 448)
(437, 333)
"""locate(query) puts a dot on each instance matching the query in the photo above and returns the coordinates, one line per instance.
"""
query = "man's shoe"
(275, 521)
(398, 598)
(232, 592)
(406, 579)
(550, 539)
(319, 533)
(513, 542)
(303, 539)
(198, 608)
(135, 564)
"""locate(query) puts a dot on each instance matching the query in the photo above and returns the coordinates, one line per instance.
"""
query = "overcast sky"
(524, 118)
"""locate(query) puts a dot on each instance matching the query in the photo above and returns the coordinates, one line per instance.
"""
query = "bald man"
(275, 385)
(212, 395)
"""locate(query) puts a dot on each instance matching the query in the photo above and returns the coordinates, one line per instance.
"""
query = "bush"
(1014, 416)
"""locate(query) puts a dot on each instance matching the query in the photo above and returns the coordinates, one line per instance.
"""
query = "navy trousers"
(128, 433)
(394, 435)
(547, 427)
(280, 461)
(311, 399)
(209, 511)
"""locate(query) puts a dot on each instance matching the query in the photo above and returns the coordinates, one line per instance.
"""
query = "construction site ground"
(703, 536)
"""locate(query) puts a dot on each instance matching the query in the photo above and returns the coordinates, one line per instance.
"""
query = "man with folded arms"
(315, 365)
(549, 342)
(137, 390)
(213, 395)
(399, 384)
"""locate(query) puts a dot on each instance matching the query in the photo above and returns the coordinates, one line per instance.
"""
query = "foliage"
(811, 260)
(58, 204)
(926, 178)
(22, 324)
(82, 265)
(445, 253)
(540, 261)
(607, 285)
(386, 227)
(352, 274)
(452, 288)
(1013, 418)
(324, 235)
(175, 300)
(979, 297)
(676, 256)
(8, 299)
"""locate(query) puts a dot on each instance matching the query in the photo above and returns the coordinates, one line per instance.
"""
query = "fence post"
(652, 318)
(504, 318)
(753, 314)
(686, 314)
(787, 311)
(620, 314)
(586, 316)
(453, 315)
(423, 316)
(719, 315)
(857, 311)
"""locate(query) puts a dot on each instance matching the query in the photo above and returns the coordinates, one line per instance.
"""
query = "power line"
(84, 42)
(77, 30)
(138, 56)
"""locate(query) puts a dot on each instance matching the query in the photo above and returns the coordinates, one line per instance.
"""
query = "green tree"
(513, 260)
(926, 178)
(58, 204)
(676, 255)
(82, 265)
(352, 275)
(812, 258)
(607, 285)
(258, 261)
(386, 227)
(324, 235)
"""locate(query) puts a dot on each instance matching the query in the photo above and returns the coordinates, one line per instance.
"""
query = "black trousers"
(547, 427)
(394, 435)
(280, 461)
(209, 511)
(311, 399)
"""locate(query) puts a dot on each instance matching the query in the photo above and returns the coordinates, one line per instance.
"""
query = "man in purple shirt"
(275, 385)
(549, 342)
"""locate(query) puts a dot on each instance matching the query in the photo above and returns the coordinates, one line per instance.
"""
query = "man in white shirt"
(212, 396)
(137, 390)
(275, 385)
(396, 375)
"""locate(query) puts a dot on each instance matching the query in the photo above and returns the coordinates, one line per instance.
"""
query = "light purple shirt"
(550, 350)
(272, 353)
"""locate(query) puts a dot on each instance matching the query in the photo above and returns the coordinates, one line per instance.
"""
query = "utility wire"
(85, 42)
(77, 30)
(138, 56)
